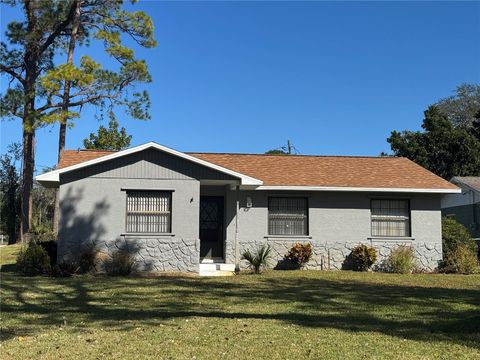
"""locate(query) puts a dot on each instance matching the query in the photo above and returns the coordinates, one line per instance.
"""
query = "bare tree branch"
(12, 73)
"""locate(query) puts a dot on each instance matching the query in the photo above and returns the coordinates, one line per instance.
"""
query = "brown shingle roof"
(73, 157)
(309, 170)
(335, 171)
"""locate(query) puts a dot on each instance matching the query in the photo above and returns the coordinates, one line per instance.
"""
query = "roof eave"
(359, 189)
(49, 180)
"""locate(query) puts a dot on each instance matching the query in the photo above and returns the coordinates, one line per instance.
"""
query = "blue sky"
(335, 78)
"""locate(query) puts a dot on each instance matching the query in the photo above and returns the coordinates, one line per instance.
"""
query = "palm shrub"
(33, 260)
(363, 257)
(259, 258)
(459, 249)
(300, 254)
(401, 260)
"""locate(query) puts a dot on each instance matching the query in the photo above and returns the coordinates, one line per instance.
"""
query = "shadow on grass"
(8, 268)
(410, 312)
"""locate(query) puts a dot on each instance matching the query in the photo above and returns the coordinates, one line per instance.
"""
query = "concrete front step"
(217, 269)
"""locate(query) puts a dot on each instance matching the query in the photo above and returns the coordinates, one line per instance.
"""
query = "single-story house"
(465, 206)
(178, 211)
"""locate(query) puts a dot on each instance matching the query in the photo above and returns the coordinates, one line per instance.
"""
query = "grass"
(276, 315)
(8, 254)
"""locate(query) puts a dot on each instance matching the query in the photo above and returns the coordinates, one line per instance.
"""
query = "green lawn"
(277, 315)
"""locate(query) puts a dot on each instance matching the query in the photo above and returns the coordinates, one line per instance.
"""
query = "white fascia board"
(358, 189)
(54, 176)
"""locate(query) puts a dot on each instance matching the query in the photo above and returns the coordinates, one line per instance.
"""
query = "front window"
(149, 212)
(287, 216)
(390, 218)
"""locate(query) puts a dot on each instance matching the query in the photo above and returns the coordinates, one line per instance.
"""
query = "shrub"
(65, 269)
(461, 260)
(39, 235)
(300, 254)
(401, 260)
(86, 260)
(84, 263)
(33, 260)
(363, 257)
(122, 263)
(50, 247)
(258, 259)
(454, 234)
(459, 249)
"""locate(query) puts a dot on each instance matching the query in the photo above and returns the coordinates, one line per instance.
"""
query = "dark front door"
(211, 227)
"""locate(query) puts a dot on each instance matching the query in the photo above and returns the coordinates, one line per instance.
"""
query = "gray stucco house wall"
(93, 215)
(93, 210)
(337, 223)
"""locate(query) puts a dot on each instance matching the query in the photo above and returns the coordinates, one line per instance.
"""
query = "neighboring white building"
(465, 207)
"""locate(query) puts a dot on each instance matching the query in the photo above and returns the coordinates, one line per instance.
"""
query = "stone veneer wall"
(152, 254)
(331, 255)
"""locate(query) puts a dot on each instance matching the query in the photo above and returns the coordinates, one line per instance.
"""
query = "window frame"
(409, 234)
(129, 191)
(307, 214)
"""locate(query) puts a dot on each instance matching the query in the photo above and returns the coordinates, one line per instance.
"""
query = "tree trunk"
(28, 154)
(66, 97)
(28, 167)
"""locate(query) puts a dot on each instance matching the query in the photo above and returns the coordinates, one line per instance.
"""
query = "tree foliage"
(42, 213)
(475, 128)
(35, 92)
(90, 83)
(108, 139)
(442, 148)
(287, 149)
(10, 193)
(463, 107)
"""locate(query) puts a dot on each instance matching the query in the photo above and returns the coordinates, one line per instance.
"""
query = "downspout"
(474, 215)
(237, 208)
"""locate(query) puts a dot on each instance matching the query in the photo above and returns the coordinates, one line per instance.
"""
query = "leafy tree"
(41, 93)
(276, 152)
(461, 108)
(10, 193)
(105, 21)
(475, 128)
(108, 139)
(442, 148)
(43, 207)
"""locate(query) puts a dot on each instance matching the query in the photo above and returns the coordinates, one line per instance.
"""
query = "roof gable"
(68, 164)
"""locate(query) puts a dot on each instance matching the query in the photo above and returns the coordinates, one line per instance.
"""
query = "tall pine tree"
(41, 92)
